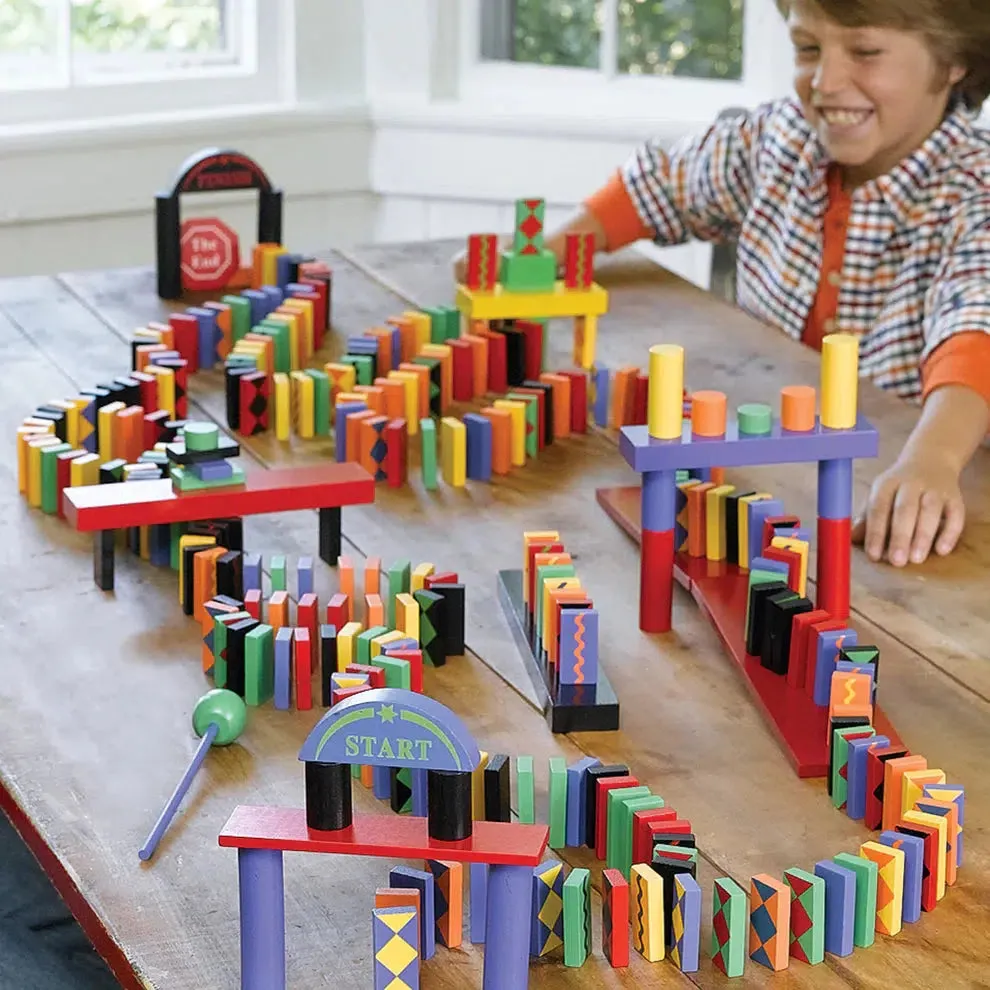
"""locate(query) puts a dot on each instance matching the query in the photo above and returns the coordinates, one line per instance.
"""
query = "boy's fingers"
(878, 518)
(858, 530)
(926, 526)
(952, 527)
(902, 524)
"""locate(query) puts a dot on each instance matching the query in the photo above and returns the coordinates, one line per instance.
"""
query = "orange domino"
(558, 596)
(374, 611)
(205, 579)
(423, 379)
(369, 433)
(278, 610)
(393, 397)
(479, 355)
(561, 385)
(407, 336)
(696, 527)
(623, 396)
(373, 576)
(501, 420)
(708, 413)
(797, 408)
(384, 338)
(345, 572)
(352, 433)
(893, 785)
(374, 396)
(851, 695)
(367, 775)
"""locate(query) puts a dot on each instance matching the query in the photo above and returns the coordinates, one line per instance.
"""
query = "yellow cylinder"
(666, 391)
(840, 380)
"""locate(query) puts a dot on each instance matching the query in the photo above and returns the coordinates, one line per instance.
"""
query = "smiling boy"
(862, 206)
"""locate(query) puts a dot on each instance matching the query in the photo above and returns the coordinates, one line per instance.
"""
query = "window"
(79, 59)
(631, 58)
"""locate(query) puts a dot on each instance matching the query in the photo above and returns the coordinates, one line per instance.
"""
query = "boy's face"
(873, 94)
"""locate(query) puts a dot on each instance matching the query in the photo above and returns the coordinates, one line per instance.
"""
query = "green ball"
(754, 419)
(226, 709)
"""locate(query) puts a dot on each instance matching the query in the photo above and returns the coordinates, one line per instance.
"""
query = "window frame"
(121, 88)
(525, 89)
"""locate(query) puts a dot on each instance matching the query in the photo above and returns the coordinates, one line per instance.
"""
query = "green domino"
(201, 436)
(279, 582)
(49, 476)
(866, 870)
(428, 437)
(613, 841)
(453, 322)
(810, 944)
(686, 853)
(577, 917)
(220, 644)
(396, 671)
(398, 578)
(542, 573)
(558, 802)
(176, 532)
(624, 827)
(259, 665)
(532, 421)
(279, 332)
(240, 316)
(438, 323)
(364, 642)
(840, 760)
(526, 790)
(729, 904)
(364, 366)
(321, 401)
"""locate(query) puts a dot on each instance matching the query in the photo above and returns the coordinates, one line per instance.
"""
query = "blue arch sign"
(389, 727)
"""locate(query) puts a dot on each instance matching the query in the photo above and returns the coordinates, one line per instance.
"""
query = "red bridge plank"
(392, 836)
(147, 503)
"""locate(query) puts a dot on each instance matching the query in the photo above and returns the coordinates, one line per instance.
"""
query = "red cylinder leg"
(656, 581)
(834, 562)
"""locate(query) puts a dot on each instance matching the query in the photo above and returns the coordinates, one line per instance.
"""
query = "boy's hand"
(912, 506)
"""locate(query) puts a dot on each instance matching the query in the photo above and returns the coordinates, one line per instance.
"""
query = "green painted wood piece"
(364, 642)
(613, 835)
(321, 401)
(624, 827)
(532, 420)
(201, 436)
(428, 441)
(542, 573)
(278, 573)
(186, 481)
(278, 330)
(758, 577)
(558, 802)
(176, 532)
(840, 761)
(398, 578)
(49, 476)
(526, 790)
(396, 671)
(453, 322)
(220, 623)
(438, 323)
(577, 917)
(810, 944)
(240, 315)
(867, 872)
(259, 665)
(729, 904)
(364, 366)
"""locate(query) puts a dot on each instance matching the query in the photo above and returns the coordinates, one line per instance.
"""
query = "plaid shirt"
(917, 260)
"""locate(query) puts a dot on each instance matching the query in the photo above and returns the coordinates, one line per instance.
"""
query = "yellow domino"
(646, 912)
(282, 405)
(190, 541)
(105, 420)
(421, 324)
(421, 572)
(84, 470)
(303, 403)
(503, 304)
(453, 450)
(800, 547)
(942, 824)
(407, 614)
(585, 340)
(743, 526)
(478, 789)
(553, 584)
(379, 643)
(890, 870)
(24, 435)
(343, 377)
(410, 381)
(346, 639)
(303, 309)
(715, 521)
(517, 410)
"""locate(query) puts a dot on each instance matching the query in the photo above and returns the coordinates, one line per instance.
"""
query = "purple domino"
(283, 667)
(840, 906)
(757, 513)
(479, 901)
(913, 847)
(644, 453)
(340, 426)
(856, 774)
(599, 378)
(828, 653)
(578, 624)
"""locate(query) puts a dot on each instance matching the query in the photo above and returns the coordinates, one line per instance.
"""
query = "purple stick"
(151, 843)
(262, 919)
(508, 920)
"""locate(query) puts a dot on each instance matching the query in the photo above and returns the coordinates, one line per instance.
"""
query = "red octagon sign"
(209, 254)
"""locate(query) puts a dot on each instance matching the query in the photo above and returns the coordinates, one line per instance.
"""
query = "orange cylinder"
(797, 408)
(708, 414)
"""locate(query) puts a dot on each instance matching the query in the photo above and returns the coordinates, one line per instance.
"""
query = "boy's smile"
(873, 94)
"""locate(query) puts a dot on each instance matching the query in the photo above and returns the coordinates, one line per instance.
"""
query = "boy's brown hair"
(957, 32)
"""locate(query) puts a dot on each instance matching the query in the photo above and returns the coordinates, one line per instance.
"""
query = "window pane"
(695, 38)
(136, 26)
(544, 32)
(27, 27)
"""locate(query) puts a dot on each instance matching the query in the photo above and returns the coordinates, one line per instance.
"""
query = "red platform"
(391, 836)
(149, 503)
(721, 591)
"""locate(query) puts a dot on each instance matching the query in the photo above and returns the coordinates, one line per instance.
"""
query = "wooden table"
(97, 689)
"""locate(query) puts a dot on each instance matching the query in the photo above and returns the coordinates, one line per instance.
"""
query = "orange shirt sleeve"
(962, 359)
(614, 209)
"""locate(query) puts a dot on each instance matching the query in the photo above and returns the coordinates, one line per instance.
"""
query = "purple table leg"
(262, 919)
(509, 916)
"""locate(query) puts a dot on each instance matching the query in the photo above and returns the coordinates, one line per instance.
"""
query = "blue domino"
(283, 667)
(575, 827)
(600, 380)
(828, 655)
(259, 304)
(479, 446)
(340, 427)
(274, 296)
(421, 880)
(208, 337)
(304, 576)
(840, 906)
(252, 572)
(913, 847)
(420, 794)
(758, 512)
(856, 774)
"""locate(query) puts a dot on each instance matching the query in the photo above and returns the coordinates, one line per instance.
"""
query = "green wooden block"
(259, 665)
(278, 573)
(364, 642)
(527, 232)
(558, 802)
(188, 482)
(220, 644)
(757, 577)
(428, 439)
(435, 366)
(396, 671)
(240, 315)
(400, 797)
(807, 915)
(577, 917)
(526, 790)
(532, 421)
(528, 272)
(49, 476)
(398, 578)
(438, 323)
(662, 849)
(613, 825)
(279, 332)
(624, 828)
(866, 870)
(840, 760)
(321, 401)
(730, 914)
(542, 573)
(176, 532)
(453, 322)
(364, 367)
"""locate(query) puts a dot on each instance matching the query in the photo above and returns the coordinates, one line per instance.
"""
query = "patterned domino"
(769, 922)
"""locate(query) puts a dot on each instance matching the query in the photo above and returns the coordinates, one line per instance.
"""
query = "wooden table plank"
(689, 730)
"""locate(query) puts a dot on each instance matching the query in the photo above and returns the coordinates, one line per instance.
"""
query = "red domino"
(308, 615)
(338, 611)
(376, 675)
(579, 400)
(641, 393)
(797, 661)
(615, 901)
(302, 657)
(252, 603)
(415, 660)
(606, 784)
(396, 453)
(482, 262)
(447, 577)
(643, 821)
(186, 332)
(533, 337)
(463, 355)
(579, 260)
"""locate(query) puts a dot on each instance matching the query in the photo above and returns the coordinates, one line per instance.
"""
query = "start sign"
(209, 254)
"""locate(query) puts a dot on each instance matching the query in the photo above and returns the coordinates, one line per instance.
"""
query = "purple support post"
(658, 516)
(420, 794)
(381, 783)
(507, 928)
(479, 900)
(262, 919)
